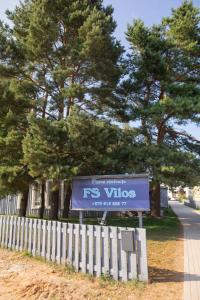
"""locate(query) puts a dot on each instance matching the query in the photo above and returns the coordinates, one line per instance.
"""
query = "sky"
(125, 11)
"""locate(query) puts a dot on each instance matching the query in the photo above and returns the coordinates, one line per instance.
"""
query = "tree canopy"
(160, 90)
(72, 103)
(65, 50)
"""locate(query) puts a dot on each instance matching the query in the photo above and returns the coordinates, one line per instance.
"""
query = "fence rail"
(92, 249)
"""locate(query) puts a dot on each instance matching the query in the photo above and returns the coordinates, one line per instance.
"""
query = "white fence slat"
(1, 227)
(18, 233)
(49, 231)
(34, 237)
(30, 231)
(8, 205)
(132, 256)
(4, 234)
(39, 237)
(124, 257)
(98, 250)
(91, 249)
(64, 243)
(115, 269)
(124, 266)
(22, 234)
(3, 231)
(70, 243)
(1, 238)
(10, 233)
(44, 230)
(58, 246)
(26, 234)
(7, 230)
(142, 256)
(14, 233)
(106, 250)
(77, 246)
(84, 248)
(53, 255)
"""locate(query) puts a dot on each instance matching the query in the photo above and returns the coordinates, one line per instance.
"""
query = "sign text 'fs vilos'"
(112, 193)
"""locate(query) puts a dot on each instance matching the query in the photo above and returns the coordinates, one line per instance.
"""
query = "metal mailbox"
(128, 241)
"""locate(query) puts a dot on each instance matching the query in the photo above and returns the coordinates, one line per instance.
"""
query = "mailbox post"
(140, 219)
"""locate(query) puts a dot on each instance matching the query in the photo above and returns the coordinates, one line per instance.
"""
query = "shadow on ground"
(166, 275)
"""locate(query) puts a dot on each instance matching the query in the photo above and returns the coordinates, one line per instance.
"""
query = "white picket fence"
(8, 205)
(92, 249)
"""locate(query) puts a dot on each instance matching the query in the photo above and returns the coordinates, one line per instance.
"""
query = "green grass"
(27, 254)
(167, 227)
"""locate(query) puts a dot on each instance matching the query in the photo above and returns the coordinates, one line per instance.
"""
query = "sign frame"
(122, 176)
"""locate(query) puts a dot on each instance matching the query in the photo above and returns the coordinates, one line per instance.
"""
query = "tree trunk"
(155, 199)
(23, 203)
(69, 106)
(44, 106)
(55, 196)
(41, 210)
(65, 212)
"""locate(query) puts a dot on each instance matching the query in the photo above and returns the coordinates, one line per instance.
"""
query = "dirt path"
(22, 277)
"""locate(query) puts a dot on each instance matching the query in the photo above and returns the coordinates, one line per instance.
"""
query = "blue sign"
(112, 194)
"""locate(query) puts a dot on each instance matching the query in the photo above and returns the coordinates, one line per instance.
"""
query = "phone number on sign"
(99, 203)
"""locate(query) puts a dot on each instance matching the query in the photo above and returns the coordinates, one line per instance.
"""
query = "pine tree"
(161, 91)
(62, 149)
(66, 51)
(14, 176)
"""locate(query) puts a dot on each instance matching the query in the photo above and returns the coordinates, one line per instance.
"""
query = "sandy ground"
(22, 277)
